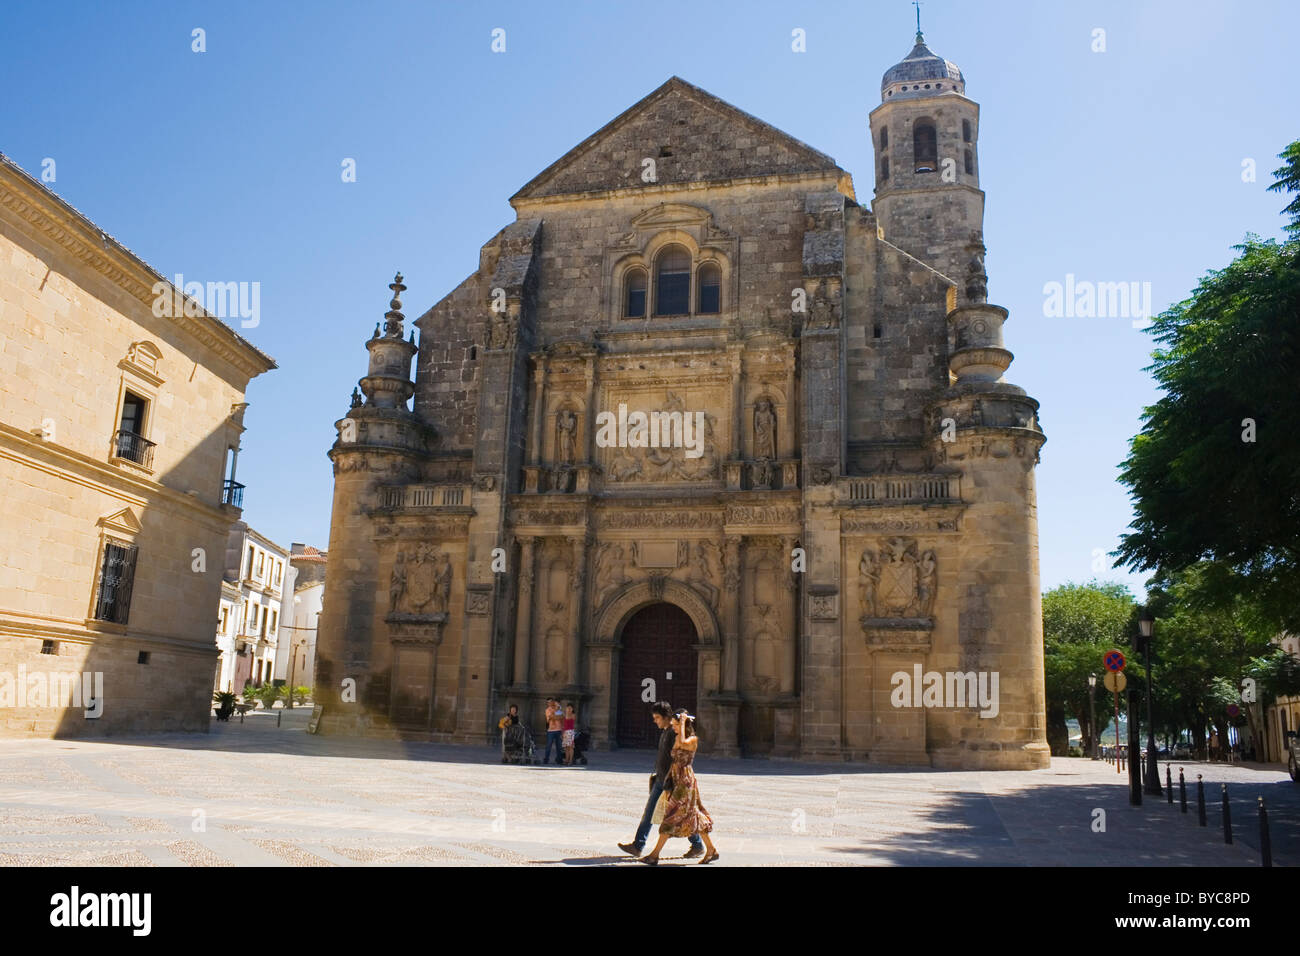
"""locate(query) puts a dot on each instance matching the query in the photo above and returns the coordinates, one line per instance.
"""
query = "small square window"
(49, 647)
(142, 657)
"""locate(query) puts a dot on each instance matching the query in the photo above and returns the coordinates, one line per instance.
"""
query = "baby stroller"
(581, 743)
(517, 745)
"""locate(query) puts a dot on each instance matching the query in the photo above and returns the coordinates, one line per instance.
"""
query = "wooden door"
(657, 644)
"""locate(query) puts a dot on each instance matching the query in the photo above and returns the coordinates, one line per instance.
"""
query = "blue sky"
(1122, 165)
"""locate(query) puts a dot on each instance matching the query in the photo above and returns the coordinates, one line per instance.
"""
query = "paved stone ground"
(280, 797)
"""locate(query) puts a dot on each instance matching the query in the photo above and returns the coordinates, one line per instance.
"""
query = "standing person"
(554, 725)
(509, 720)
(660, 780)
(569, 732)
(685, 814)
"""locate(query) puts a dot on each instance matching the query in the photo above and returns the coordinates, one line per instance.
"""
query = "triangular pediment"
(681, 134)
(121, 522)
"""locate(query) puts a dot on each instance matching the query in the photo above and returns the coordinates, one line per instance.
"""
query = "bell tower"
(925, 136)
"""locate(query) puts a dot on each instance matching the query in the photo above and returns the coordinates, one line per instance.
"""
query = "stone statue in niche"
(868, 583)
(566, 426)
(397, 582)
(764, 429)
(441, 597)
(927, 579)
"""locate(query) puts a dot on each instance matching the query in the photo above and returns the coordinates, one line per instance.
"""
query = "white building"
(249, 618)
(296, 656)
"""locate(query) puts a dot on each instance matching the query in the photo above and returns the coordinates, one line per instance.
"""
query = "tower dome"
(921, 73)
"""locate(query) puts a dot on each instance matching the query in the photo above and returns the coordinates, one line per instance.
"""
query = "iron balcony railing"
(233, 494)
(133, 447)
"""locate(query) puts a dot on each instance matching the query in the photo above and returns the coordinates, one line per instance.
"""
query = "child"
(570, 723)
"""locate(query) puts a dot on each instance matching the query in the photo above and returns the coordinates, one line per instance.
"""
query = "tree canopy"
(1215, 469)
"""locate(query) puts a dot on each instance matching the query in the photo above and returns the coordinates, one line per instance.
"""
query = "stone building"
(121, 403)
(702, 426)
(296, 660)
(253, 591)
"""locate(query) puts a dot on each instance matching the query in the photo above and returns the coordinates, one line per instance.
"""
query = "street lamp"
(1092, 713)
(1146, 624)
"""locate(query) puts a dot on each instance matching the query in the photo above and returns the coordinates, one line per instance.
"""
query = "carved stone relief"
(420, 582)
(897, 582)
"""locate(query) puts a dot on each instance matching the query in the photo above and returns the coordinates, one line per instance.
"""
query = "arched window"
(925, 147)
(673, 282)
(884, 137)
(634, 299)
(965, 131)
(710, 285)
(884, 168)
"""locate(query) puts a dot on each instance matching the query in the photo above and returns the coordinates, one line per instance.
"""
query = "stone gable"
(692, 136)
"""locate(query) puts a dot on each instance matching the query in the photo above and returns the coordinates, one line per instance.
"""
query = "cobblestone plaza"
(258, 794)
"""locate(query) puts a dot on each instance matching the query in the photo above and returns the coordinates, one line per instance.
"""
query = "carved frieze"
(546, 516)
(762, 515)
(660, 519)
(850, 524)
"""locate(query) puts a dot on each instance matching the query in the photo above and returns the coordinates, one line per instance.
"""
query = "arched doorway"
(658, 643)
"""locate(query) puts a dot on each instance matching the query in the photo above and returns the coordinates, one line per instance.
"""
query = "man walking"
(662, 713)
(554, 729)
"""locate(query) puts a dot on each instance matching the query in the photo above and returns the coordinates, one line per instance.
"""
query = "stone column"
(790, 662)
(727, 699)
(577, 605)
(737, 402)
(588, 450)
(539, 412)
(731, 575)
(524, 614)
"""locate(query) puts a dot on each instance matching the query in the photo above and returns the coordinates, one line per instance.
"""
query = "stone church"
(704, 426)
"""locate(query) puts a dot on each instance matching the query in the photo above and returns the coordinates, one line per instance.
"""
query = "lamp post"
(1146, 624)
(1092, 713)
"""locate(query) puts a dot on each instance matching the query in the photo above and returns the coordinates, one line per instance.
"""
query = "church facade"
(705, 427)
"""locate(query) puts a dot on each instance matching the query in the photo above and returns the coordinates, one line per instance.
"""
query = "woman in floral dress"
(684, 814)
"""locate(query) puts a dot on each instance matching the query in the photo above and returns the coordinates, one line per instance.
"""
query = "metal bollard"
(1169, 784)
(1227, 817)
(1200, 800)
(1182, 789)
(1265, 848)
(278, 715)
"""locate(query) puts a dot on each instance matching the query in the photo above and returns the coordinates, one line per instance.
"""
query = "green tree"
(1210, 631)
(1213, 471)
(1080, 623)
